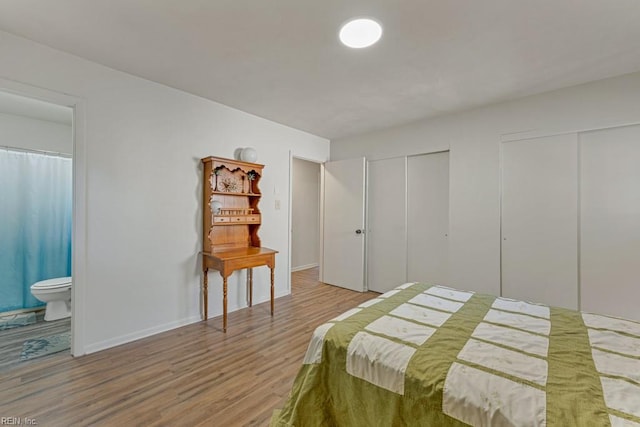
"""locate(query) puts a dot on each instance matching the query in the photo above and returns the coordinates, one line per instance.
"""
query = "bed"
(423, 355)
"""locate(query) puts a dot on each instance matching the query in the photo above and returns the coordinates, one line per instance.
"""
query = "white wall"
(473, 138)
(26, 132)
(305, 215)
(144, 142)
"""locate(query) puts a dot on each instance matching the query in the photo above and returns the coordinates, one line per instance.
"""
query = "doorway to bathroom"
(36, 189)
(304, 221)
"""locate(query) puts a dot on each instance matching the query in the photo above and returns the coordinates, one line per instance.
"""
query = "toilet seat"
(56, 293)
(58, 282)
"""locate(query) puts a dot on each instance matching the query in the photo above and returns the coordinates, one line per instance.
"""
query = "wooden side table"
(227, 261)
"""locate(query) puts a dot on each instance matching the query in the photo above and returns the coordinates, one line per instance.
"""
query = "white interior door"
(386, 224)
(343, 231)
(610, 221)
(540, 220)
(428, 218)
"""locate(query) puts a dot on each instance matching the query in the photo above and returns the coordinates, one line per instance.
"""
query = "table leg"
(272, 289)
(224, 304)
(250, 273)
(205, 294)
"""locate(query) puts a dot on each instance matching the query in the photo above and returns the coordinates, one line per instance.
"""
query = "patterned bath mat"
(46, 345)
(17, 320)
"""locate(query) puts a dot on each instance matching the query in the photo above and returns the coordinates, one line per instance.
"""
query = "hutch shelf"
(231, 221)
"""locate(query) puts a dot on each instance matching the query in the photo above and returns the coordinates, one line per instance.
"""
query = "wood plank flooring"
(11, 340)
(192, 376)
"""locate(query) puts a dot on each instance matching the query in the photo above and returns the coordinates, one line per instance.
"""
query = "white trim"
(321, 260)
(292, 155)
(304, 267)
(406, 218)
(365, 226)
(500, 215)
(579, 219)
(123, 339)
(290, 221)
(79, 222)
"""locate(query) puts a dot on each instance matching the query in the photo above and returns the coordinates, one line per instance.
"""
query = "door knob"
(359, 231)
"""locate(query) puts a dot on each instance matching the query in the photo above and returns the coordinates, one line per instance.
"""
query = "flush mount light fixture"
(361, 32)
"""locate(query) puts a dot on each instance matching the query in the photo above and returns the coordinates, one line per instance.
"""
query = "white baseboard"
(123, 339)
(304, 267)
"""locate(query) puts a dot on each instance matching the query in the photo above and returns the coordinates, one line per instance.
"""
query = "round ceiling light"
(361, 32)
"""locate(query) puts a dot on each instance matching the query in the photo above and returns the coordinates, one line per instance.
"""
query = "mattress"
(428, 355)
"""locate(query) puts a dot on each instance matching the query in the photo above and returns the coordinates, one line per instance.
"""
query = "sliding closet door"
(387, 230)
(540, 220)
(428, 218)
(610, 221)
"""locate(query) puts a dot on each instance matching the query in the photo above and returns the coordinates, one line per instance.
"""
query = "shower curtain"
(35, 224)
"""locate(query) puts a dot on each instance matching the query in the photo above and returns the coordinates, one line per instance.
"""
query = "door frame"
(79, 209)
(321, 162)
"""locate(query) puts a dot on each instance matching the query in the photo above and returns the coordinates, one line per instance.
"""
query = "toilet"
(57, 294)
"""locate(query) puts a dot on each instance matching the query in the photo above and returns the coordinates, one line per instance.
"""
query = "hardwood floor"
(11, 340)
(194, 375)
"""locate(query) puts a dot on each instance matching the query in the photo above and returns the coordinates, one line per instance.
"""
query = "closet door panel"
(428, 218)
(610, 221)
(540, 220)
(386, 241)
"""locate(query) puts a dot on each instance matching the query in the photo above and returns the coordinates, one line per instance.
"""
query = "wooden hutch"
(231, 220)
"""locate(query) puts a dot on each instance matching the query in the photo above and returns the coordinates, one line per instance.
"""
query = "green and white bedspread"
(424, 355)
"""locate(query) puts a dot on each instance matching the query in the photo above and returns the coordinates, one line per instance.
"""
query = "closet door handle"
(359, 231)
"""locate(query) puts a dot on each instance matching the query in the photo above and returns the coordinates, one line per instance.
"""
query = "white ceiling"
(280, 59)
